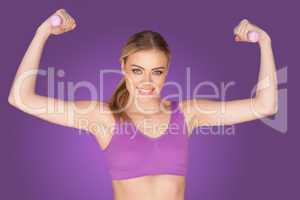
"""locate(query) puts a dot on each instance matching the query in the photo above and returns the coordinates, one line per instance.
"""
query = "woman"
(145, 163)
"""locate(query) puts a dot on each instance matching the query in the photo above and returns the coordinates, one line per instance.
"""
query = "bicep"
(206, 112)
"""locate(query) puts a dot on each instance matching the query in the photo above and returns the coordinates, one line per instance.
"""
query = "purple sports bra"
(131, 153)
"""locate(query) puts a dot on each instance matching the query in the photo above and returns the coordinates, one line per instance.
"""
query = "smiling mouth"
(145, 91)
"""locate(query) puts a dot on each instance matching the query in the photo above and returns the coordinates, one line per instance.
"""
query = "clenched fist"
(68, 24)
(244, 27)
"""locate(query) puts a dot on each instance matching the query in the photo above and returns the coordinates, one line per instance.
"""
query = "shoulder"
(167, 103)
(183, 106)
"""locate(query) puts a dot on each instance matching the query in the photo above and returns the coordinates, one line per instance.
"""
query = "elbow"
(16, 100)
(275, 110)
(269, 110)
(24, 104)
(11, 100)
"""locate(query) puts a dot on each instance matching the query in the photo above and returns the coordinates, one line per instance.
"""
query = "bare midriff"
(152, 187)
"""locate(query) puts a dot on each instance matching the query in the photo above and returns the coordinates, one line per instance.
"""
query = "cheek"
(132, 83)
(158, 82)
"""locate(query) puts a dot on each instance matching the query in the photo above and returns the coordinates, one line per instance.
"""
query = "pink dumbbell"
(56, 20)
(251, 35)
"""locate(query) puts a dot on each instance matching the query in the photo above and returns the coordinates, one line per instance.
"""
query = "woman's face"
(145, 73)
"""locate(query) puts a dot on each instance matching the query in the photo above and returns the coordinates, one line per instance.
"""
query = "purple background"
(45, 161)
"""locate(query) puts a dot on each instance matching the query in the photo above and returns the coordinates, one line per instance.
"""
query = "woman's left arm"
(264, 103)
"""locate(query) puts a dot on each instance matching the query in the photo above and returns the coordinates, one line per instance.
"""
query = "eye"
(136, 71)
(158, 72)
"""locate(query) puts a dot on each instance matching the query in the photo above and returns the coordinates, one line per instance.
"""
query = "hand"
(68, 24)
(242, 29)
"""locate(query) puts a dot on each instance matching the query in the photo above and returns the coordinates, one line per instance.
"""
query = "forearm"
(266, 91)
(25, 78)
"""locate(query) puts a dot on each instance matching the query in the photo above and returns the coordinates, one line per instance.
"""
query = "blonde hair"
(144, 40)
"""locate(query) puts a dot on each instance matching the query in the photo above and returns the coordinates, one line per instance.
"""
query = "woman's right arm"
(87, 115)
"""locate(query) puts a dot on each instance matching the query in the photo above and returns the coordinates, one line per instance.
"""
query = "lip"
(145, 91)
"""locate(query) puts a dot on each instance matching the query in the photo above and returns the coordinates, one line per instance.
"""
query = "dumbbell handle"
(56, 20)
(251, 35)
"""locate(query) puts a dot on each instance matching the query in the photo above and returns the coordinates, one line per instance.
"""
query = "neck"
(144, 106)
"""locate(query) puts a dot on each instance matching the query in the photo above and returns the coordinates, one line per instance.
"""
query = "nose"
(147, 78)
(147, 82)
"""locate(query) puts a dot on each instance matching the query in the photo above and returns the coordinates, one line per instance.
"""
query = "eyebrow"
(144, 68)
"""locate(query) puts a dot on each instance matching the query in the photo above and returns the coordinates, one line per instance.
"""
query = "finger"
(74, 25)
(62, 17)
(70, 21)
(237, 38)
(65, 17)
(244, 31)
(243, 22)
(71, 26)
(60, 10)
(238, 31)
(236, 28)
(63, 29)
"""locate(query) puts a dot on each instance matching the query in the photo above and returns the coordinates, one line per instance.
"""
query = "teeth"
(146, 91)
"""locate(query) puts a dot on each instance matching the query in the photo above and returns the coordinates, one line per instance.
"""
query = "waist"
(153, 187)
